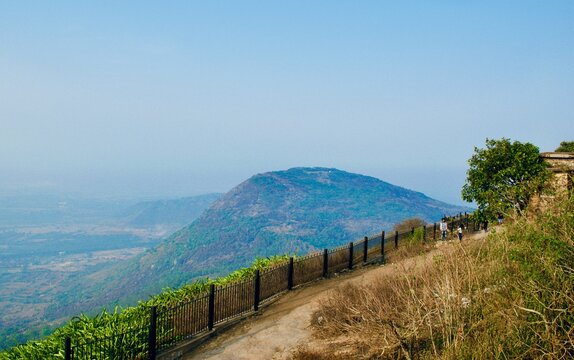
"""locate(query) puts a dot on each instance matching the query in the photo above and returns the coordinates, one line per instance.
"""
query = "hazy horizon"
(154, 100)
(143, 195)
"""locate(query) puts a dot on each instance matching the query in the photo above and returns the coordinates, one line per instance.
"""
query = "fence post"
(152, 334)
(396, 239)
(383, 246)
(325, 263)
(68, 349)
(211, 308)
(257, 290)
(434, 232)
(424, 233)
(350, 255)
(290, 274)
(366, 249)
(412, 231)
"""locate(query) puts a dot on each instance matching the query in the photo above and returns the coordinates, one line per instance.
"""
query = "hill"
(293, 211)
(167, 213)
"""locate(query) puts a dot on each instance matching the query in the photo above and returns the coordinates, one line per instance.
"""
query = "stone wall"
(562, 181)
(562, 165)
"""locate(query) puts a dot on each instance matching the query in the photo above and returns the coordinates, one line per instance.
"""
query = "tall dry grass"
(413, 245)
(417, 310)
(509, 296)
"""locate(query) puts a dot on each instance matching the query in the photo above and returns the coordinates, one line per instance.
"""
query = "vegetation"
(293, 211)
(83, 328)
(414, 244)
(565, 146)
(503, 177)
(135, 320)
(408, 224)
(509, 296)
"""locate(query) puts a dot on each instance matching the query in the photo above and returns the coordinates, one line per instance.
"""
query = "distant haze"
(155, 99)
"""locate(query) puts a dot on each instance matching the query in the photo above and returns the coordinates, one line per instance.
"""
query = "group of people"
(444, 229)
(460, 229)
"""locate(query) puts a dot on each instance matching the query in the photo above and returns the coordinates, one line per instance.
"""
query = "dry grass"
(511, 296)
(408, 224)
(409, 247)
(417, 310)
(304, 353)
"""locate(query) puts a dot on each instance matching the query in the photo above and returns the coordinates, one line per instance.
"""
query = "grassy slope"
(511, 296)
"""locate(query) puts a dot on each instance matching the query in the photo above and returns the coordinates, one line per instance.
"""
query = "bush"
(565, 146)
(408, 224)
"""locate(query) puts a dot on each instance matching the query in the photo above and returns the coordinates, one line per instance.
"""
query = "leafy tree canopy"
(565, 146)
(503, 176)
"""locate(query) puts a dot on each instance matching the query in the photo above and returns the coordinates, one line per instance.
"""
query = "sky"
(176, 98)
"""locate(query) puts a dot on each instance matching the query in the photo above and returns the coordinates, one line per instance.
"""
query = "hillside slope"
(167, 213)
(287, 324)
(294, 211)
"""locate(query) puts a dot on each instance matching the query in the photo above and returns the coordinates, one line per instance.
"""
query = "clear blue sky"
(168, 98)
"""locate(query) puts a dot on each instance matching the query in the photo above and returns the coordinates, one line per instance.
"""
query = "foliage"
(565, 146)
(411, 244)
(504, 176)
(408, 224)
(83, 329)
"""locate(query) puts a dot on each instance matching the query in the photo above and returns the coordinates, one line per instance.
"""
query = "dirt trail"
(284, 325)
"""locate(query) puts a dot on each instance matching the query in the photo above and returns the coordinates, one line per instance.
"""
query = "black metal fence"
(167, 327)
(129, 344)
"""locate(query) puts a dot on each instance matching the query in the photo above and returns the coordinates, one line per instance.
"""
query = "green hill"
(167, 212)
(292, 211)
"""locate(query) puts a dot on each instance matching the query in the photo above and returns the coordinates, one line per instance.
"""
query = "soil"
(283, 326)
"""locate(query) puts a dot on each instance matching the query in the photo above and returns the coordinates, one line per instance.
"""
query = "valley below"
(48, 243)
(37, 265)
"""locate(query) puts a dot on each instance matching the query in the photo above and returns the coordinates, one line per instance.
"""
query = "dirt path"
(284, 325)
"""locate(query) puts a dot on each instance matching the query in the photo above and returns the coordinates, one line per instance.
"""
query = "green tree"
(504, 176)
(565, 146)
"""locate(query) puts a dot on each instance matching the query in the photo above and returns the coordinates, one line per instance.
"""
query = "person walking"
(443, 228)
(459, 232)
